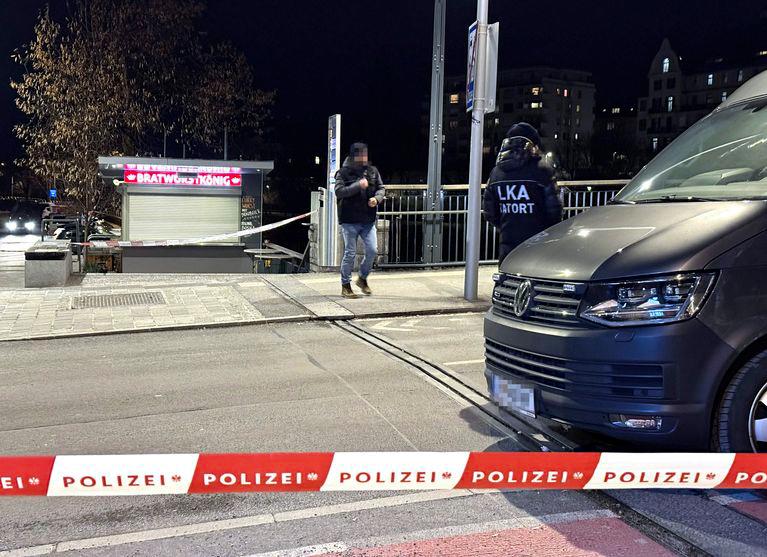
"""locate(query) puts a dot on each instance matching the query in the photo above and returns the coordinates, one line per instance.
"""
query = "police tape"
(164, 474)
(190, 241)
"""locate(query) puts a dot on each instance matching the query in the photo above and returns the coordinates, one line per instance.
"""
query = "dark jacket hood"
(619, 241)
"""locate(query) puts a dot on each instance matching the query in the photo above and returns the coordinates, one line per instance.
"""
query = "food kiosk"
(167, 200)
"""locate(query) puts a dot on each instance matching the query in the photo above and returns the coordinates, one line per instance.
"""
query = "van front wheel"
(740, 423)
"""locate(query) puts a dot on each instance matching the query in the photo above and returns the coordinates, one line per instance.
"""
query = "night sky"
(370, 60)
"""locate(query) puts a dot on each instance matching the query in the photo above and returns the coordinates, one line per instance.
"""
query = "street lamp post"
(474, 222)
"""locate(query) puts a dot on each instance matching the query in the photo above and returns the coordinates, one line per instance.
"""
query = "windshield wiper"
(678, 199)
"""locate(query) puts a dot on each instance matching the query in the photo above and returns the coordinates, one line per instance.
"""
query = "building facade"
(559, 102)
(681, 92)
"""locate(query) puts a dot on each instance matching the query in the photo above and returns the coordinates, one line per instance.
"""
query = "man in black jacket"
(521, 198)
(359, 190)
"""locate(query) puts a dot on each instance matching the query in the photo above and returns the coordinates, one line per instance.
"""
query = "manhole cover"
(118, 300)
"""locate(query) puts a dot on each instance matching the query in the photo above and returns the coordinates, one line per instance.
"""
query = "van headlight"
(647, 301)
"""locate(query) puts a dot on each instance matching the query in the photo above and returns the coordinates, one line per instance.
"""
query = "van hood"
(619, 241)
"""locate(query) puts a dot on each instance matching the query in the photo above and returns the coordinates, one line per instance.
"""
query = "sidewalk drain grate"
(118, 300)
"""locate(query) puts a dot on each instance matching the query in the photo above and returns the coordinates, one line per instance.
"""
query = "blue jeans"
(366, 231)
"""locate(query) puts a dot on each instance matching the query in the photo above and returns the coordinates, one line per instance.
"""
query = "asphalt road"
(12, 249)
(293, 387)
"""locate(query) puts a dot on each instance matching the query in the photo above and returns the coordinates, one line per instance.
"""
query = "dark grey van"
(646, 319)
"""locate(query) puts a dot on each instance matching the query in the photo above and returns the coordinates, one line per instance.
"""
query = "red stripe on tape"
(25, 475)
(226, 473)
(528, 470)
(748, 471)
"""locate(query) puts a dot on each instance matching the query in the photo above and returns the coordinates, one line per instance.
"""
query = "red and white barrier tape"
(189, 241)
(160, 474)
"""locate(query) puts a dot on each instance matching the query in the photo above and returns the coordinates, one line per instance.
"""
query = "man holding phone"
(359, 190)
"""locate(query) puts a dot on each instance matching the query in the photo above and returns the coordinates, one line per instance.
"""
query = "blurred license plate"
(514, 396)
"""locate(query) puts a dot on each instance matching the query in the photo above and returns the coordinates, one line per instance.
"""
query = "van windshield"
(721, 158)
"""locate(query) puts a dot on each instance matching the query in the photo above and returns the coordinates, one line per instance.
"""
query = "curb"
(264, 321)
(163, 328)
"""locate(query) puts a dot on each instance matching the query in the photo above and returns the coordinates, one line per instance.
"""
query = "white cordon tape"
(164, 474)
(190, 241)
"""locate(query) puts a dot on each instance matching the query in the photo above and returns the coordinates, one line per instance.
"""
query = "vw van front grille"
(552, 302)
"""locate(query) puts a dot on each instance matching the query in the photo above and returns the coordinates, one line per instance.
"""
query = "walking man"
(359, 191)
(521, 198)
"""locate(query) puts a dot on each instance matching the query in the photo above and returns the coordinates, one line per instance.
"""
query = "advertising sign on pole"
(471, 67)
(52, 193)
(330, 232)
(491, 72)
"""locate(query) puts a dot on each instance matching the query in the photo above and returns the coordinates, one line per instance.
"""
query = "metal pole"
(432, 241)
(226, 144)
(474, 220)
(164, 143)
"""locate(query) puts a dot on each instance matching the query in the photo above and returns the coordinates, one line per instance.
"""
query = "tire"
(732, 430)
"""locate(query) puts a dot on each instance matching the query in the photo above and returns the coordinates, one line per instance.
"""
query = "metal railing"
(407, 212)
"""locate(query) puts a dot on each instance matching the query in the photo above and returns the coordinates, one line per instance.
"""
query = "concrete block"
(47, 264)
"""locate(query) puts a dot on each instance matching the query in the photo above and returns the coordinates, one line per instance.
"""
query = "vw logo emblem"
(522, 298)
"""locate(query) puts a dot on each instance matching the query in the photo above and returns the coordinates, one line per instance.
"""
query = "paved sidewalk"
(103, 304)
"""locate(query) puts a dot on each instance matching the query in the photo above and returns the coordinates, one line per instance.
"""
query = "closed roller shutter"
(177, 217)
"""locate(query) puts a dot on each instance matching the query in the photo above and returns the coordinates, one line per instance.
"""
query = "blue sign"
(52, 194)
(471, 66)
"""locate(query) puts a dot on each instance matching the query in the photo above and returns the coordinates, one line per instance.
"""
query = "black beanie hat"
(523, 129)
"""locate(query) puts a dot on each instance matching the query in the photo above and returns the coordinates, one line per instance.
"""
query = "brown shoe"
(363, 284)
(347, 292)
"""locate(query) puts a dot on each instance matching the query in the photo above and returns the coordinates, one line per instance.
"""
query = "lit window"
(316, 160)
(453, 124)
(670, 104)
(536, 105)
(497, 121)
(566, 93)
(559, 91)
(740, 76)
(710, 79)
(610, 126)
(763, 53)
(486, 150)
(575, 136)
(577, 108)
(654, 143)
(724, 96)
(665, 66)
(536, 91)
(616, 110)
(455, 98)
(556, 136)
